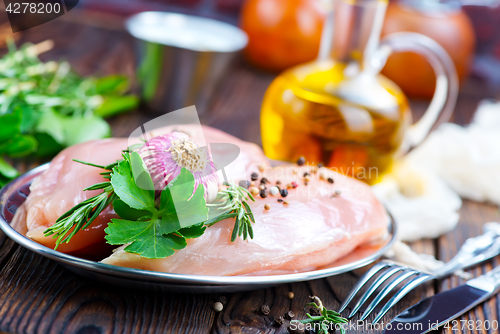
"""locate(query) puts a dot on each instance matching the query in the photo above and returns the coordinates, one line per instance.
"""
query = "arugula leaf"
(19, 146)
(124, 185)
(114, 105)
(9, 125)
(112, 84)
(6, 170)
(71, 130)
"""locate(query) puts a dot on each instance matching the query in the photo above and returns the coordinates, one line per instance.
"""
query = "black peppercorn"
(284, 193)
(245, 184)
(264, 181)
(254, 176)
(278, 321)
(280, 200)
(263, 193)
(289, 315)
(330, 180)
(222, 300)
(301, 161)
(306, 174)
(264, 309)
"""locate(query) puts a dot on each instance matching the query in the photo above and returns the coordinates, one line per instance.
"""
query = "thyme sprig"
(84, 213)
(326, 320)
(233, 201)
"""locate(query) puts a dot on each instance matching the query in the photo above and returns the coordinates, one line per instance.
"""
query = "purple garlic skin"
(165, 156)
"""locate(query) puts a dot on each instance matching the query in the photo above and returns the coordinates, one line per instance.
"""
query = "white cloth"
(423, 191)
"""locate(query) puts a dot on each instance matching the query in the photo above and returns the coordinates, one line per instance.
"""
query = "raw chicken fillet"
(315, 228)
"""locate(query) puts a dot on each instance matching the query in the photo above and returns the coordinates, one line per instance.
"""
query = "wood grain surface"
(39, 296)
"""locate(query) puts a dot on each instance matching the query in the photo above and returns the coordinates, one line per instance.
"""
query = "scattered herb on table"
(324, 322)
(47, 106)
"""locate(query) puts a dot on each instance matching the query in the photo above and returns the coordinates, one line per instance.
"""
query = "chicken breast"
(314, 228)
(61, 186)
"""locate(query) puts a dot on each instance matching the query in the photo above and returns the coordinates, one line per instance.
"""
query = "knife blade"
(437, 310)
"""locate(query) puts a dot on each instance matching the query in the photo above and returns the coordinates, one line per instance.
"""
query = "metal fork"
(474, 251)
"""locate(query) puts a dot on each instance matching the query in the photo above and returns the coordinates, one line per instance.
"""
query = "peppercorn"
(331, 180)
(263, 193)
(284, 193)
(285, 202)
(278, 182)
(267, 207)
(280, 200)
(306, 182)
(264, 180)
(289, 315)
(307, 178)
(245, 184)
(262, 186)
(320, 165)
(289, 185)
(254, 191)
(222, 300)
(306, 174)
(274, 191)
(290, 295)
(294, 185)
(338, 192)
(254, 176)
(278, 321)
(218, 306)
(301, 161)
(265, 310)
(261, 167)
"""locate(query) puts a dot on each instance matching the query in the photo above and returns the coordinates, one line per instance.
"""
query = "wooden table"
(39, 296)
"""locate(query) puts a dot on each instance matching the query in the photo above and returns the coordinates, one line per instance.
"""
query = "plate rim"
(146, 276)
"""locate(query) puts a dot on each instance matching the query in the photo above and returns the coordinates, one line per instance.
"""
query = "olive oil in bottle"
(338, 110)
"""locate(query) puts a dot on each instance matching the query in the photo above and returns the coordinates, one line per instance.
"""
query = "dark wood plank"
(472, 218)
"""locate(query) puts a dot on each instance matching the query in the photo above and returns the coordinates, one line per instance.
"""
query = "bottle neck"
(352, 32)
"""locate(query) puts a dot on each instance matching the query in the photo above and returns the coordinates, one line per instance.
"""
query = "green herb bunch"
(151, 225)
(326, 320)
(48, 106)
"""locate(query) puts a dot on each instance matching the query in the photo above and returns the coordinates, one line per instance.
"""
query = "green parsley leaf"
(144, 237)
(192, 232)
(125, 186)
(179, 207)
(181, 213)
(126, 212)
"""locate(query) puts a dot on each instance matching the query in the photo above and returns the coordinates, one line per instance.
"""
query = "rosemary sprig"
(83, 214)
(324, 322)
(233, 200)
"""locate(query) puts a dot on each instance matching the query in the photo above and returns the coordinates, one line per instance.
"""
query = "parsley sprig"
(232, 200)
(151, 225)
(326, 320)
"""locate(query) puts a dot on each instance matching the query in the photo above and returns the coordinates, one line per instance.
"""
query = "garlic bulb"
(165, 156)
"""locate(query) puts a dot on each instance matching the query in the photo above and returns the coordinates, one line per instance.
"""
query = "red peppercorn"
(294, 184)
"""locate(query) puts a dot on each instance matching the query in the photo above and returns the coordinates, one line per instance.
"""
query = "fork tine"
(401, 293)
(366, 277)
(385, 291)
(374, 286)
